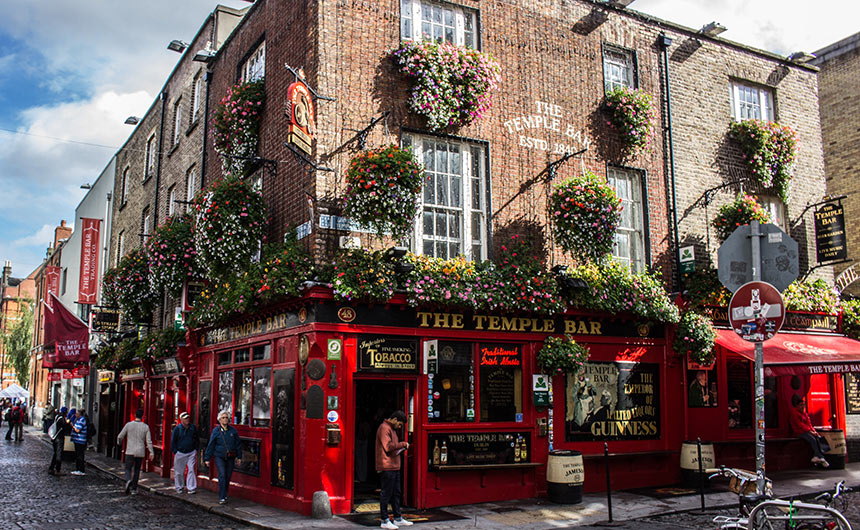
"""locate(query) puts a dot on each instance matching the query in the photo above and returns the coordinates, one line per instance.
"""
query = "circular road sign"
(756, 311)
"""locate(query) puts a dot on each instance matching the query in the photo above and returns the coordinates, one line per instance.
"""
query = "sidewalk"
(535, 513)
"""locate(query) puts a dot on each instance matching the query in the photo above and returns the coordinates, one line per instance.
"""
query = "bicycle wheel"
(762, 521)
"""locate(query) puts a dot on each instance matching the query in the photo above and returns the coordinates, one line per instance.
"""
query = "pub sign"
(387, 354)
(830, 233)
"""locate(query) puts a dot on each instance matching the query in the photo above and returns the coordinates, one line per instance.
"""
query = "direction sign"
(779, 258)
(756, 311)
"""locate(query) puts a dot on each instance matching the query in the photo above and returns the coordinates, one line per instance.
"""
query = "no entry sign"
(756, 311)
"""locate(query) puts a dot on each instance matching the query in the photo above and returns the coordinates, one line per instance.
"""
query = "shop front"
(308, 385)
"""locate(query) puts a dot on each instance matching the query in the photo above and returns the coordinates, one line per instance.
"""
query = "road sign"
(779, 258)
(687, 258)
(756, 311)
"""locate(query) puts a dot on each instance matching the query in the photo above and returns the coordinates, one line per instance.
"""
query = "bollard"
(321, 507)
(608, 484)
(701, 473)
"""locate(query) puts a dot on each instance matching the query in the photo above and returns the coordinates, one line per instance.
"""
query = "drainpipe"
(208, 79)
(160, 156)
(665, 41)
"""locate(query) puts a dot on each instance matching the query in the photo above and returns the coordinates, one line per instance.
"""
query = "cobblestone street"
(33, 499)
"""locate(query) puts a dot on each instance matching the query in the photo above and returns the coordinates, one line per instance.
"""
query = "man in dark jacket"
(183, 443)
(58, 438)
(388, 450)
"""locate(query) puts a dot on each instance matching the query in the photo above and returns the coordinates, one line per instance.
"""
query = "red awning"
(798, 353)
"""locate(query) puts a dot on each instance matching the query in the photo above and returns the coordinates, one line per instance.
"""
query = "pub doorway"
(375, 400)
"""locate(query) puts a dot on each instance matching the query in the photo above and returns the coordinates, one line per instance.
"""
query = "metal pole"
(755, 234)
(608, 485)
(701, 473)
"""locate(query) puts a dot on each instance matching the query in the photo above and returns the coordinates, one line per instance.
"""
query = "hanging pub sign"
(387, 354)
(166, 366)
(852, 393)
(104, 319)
(830, 233)
(613, 401)
(53, 376)
(300, 110)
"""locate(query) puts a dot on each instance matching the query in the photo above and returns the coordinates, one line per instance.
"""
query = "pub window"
(242, 355)
(149, 159)
(618, 68)
(242, 397)
(500, 386)
(739, 393)
(751, 102)
(629, 247)
(261, 353)
(453, 209)
(439, 22)
(225, 357)
(225, 392)
(254, 66)
(702, 388)
(453, 384)
(262, 400)
(246, 392)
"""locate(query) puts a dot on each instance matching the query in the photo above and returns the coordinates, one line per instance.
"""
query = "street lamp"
(177, 46)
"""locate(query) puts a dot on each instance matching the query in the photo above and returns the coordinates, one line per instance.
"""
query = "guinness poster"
(830, 233)
(387, 354)
(613, 401)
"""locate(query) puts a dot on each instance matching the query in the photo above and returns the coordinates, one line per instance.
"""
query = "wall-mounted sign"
(852, 393)
(334, 349)
(687, 258)
(387, 354)
(52, 283)
(104, 319)
(166, 366)
(846, 278)
(613, 401)
(190, 294)
(540, 390)
(546, 129)
(478, 448)
(106, 376)
(54, 376)
(300, 109)
(431, 356)
(830, 233)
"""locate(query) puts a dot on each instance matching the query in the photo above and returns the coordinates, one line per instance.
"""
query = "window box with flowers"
(127, 286)
(236, 126)
(769, 150)
(811, 296)
(561, 356)
(172, 258)
(742, 211)
(695, 338)
(383, 187)
(451, 85)
(585, 212)
(632, 115)
(362, 275)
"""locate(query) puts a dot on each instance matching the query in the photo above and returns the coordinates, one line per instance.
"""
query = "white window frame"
(123, 192)
(196, 94)
(171, 201)
(461, 21)
(623, 60)
(751, 102)
(177, 121)
(254, 66)
(632, 223)
(190, 186)
(149, 158)
(472, 209)
(120, 247)
(147, 223)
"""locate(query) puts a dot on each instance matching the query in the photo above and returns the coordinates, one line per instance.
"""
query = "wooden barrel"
(690, 463)
(836, 440)
(565, 475)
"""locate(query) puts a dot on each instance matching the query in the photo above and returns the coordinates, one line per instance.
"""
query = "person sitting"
(801, 425)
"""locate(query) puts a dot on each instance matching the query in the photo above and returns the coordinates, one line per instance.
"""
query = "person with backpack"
(13, 416)
(48, 417)
(79, 438)
(58, 432)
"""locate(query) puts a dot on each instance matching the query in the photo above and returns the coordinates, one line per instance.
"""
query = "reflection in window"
(242, 393)
(225, 392)
(453, 385)
(242, 356)
(261, 353)
(771, 402)
(702, 389)
(739, 388)
(251, 450)
(225, 357)
(262, 396)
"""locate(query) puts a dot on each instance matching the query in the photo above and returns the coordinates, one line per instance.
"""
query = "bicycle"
(743, 483)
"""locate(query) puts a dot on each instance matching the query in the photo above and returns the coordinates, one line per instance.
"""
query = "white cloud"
(44, 236)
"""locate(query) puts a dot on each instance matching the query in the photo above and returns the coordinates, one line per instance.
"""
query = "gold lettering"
(548, 325)
(526, 323)
(440, 320)
(595, 328)
(424, 319)
(582, 329)
(457, 321)
(569, 326)
(509, 324)
(494, 323)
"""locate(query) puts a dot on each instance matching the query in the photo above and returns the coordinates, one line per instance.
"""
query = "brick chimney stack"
(61, 232)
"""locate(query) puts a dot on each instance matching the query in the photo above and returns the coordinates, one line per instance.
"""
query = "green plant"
(283, 269)
(362, 275)
(695, 338)
(127, 286)
(561, 356)
(851, 318)
(18, 342)
(451, 85)
(111, 355)
(769, 152)
(585, 213)
(236, 126)
(632, 114)
(815, 296)
(228, 228)
(161, 344)
(704, 288)
(172, 258)
(742, 211)
(382, 190)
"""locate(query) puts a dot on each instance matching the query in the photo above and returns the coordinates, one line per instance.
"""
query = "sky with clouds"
(71, 72)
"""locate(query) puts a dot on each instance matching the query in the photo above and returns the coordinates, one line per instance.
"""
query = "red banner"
(52, 282)
(81, 371)
(88, 286)
(66, 337)
(53, 376)
(67, 374)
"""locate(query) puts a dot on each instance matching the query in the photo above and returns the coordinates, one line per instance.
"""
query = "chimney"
(7, 273)
(61, 232)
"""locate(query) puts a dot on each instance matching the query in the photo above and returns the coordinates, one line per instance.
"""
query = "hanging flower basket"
(451, 85)
(362, 275)
(128, 287)
(383, 187)
(162, 344)
(814, 296)
(769, 150)
(561, 356)
(695, 338)
(632, 115)
(742, 211)
(585, 213)
(228, 227)
(236, 126)
(172, 258)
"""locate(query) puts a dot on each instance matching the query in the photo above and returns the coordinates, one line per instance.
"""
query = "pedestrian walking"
(79, 438)
(388, 451)
(14, 416)
(225, 446)
(58, 432)
(139, 441)
(183, 444)
(49, 414)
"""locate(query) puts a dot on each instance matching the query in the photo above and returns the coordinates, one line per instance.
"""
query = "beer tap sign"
(756, 311)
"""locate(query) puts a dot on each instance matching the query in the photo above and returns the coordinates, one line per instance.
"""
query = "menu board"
(478, 448)
(613, 401)
(852, 393)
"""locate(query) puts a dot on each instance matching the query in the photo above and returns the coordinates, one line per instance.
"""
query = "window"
(196, 94)
(255, 66)
(63, 281)
(123, 193)
(454, 383)
(740, 396)
(702, 388)
(452, 215)
(246, 392)
(147, 223)
(120, 247)
(190, 186)
(751, 102)
(618, 68)
(629, 245)
(171, 201)
(177, 121)
(776, 209)
(149, 160)
(422, 20)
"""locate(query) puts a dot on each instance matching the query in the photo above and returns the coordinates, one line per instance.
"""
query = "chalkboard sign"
(852, 393)
(478, 448)
(501, 381)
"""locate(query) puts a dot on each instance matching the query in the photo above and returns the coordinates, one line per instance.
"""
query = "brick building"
(17, 296)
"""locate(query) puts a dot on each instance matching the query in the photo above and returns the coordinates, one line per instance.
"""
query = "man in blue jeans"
(388, 451)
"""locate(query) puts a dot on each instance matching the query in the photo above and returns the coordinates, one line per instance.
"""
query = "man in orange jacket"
(388, 451)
